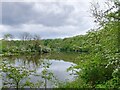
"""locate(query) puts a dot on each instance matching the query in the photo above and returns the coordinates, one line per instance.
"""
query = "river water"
(59, 63)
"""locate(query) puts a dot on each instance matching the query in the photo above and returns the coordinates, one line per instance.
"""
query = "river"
(59, 63)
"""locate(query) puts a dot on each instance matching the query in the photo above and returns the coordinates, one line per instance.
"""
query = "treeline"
(28, 44)
(93, 41)
(67, 44)
(73, 44)
(100, 64)
(99, 60)
(100, 68)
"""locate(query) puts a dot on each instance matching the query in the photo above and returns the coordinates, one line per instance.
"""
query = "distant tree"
(37, 42)
(36, 37)
(26, 36)
(7, 36)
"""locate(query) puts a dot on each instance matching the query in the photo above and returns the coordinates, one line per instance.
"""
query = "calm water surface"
(60, 62)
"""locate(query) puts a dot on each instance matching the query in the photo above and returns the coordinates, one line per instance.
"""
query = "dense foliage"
(100, 65)
(20, 46)
(99, 58)
(0, 47)
(99, 49)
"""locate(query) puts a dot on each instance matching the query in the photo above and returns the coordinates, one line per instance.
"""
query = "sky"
(48, 18)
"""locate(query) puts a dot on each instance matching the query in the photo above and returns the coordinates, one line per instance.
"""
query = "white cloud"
(43, 31)
(49, 18)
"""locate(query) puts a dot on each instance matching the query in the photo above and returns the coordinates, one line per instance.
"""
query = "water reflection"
(60, 62)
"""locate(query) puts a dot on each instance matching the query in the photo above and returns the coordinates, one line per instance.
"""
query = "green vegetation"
(18, 77)
(74, 44)
(99, 58)
(0, 47)
(14, 75)
(27, 45)
(48, 75)
(100, 68)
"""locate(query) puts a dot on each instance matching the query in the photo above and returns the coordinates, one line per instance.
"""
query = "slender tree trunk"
(45, 83)
(17, 85)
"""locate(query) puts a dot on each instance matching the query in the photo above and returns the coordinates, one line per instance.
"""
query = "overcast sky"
(48, 18)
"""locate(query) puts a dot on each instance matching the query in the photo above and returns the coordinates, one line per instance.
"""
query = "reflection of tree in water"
(34, 60)
(70, 57)
(41, 61)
